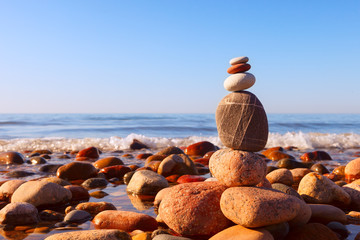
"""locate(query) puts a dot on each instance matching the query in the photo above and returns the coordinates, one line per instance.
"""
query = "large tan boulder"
(237, 168)
(256, 207)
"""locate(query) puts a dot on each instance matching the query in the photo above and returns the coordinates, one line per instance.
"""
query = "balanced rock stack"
(239, 192)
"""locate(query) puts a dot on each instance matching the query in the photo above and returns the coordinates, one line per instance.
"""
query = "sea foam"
(297, 139)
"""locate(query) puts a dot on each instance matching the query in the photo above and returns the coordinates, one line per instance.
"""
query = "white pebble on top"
(239, 81)
(238, 60)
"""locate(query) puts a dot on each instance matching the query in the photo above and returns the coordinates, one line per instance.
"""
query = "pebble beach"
(238, 174)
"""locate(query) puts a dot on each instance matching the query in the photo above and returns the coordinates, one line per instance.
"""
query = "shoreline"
(116, 192)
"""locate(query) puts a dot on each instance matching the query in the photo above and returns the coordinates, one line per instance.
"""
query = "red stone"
(238, 68)
(76, 171)
(107, 162)
(115, 171)
(193, 209)
(270, 150)
(11, 158)
(208, 154)
(190, 178)
(200, 148)
(315, 156)
(143, 155)
(91, 152)
(172, 178)
(277, 155)
(204, 161)
(124, 220)
(78, 193)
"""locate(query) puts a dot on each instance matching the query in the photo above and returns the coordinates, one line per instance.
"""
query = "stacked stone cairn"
(239, 194)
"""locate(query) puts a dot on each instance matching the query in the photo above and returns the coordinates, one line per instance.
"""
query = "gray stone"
(92, 183)
(77, 216)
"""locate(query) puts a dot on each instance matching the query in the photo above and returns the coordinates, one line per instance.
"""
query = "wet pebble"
(19, 174)
(77, 216)
(98, 194)
(92, 183)
(37, 160)
(94, 208)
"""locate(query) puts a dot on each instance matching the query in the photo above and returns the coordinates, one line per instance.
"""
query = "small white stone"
(238, 60)
(239, 81)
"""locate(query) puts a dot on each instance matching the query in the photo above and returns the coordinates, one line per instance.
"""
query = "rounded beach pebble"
(239, 81)
(179, 164)
(76, 171)
(91, 235)
(237, 168)
(77, 216)
(193, 209)
(19, 214)
(257, 207)
(146, 182)
(95, 207)
(281, 175)
(237, 68)
(41, 193)
(11, 158)
(325, 213)
(238, 60)
(315, 188)
(124, 220)
(241, 122)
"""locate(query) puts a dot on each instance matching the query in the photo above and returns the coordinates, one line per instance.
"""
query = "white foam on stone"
(297, 139)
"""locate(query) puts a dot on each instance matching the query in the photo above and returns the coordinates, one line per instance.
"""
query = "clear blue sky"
(66, 56)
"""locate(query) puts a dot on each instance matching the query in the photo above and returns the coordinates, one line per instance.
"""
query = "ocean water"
(63, 132)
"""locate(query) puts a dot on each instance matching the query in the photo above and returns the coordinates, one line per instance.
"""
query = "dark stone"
(19, 174)
(136, 145)
(50, 168)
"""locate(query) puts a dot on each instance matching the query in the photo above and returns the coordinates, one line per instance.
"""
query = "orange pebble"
(242, 67)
